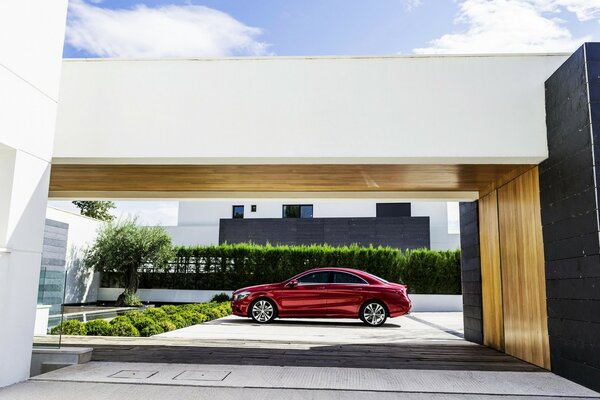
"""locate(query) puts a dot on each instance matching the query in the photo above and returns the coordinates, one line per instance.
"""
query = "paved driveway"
(416, 327)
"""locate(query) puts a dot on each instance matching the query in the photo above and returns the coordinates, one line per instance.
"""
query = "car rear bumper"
(401, 309)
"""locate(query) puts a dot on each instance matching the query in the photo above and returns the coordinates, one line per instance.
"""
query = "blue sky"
(216, 28)
(193, 28)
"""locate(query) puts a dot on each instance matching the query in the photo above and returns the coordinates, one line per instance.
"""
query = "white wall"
(81, 287)
(404, 109)
(198, 221)
(438, 224)
(31, 40)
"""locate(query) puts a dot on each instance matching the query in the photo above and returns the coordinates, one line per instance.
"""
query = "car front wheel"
(263, 311)
(373, 313)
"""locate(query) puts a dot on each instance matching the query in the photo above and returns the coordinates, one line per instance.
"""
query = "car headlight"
(241, 296)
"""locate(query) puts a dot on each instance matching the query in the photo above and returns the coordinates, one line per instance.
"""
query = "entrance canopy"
(435, 126)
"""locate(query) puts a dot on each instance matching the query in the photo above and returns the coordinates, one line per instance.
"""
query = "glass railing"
(49, 313)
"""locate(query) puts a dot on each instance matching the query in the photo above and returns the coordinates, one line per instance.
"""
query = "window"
(238, 212)
(342, 277)
(298, 211)
(314, 278)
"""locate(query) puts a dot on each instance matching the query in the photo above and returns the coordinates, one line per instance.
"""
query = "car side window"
(341, 277)
(314, 278)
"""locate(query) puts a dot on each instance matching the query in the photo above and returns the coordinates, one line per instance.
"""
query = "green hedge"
(230, 267)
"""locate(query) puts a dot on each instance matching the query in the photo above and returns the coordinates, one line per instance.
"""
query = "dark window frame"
(299, 210)
(233, 211)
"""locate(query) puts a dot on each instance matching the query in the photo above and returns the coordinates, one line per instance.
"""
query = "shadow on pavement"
(438, 356)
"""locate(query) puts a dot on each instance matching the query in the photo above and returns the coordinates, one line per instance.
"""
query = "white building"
(199, 222)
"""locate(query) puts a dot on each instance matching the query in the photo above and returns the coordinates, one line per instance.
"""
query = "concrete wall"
(31, 42)
(82, 284)
(488, 109)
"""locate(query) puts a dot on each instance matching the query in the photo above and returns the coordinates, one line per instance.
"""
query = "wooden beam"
(140, 179)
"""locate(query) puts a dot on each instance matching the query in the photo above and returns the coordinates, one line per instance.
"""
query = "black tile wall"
(568, 195)
(398, 232)
(471, 272)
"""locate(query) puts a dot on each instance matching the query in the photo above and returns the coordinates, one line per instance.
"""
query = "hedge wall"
(229, 267)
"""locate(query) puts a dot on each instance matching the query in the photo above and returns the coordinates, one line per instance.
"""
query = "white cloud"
(165, 31)
(504, 26)
(584, 10)
(411, 4)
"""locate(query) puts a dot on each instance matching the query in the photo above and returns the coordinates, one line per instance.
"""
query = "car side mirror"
(292, 283)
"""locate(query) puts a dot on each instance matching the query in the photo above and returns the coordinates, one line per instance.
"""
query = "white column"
(31, 41)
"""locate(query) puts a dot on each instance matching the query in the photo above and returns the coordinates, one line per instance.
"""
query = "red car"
(324, 293)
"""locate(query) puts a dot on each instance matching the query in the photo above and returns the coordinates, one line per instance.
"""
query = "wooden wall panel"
(491, 278)
(523, 279)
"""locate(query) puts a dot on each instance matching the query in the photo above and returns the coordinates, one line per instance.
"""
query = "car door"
(308, 298)
(345, 294)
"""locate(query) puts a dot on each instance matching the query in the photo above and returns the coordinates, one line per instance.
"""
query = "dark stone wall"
(569, 206)
(392, 210)
(471, 272)
(399, 232)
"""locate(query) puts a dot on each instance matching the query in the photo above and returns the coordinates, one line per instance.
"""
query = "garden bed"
(148, 322)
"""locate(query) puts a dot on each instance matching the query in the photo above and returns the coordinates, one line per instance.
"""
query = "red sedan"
(324, 293)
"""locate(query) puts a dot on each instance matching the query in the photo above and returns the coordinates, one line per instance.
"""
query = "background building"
(306, 221)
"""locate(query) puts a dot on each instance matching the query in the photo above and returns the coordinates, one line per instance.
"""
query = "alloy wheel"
(374, 314)
(263, 311)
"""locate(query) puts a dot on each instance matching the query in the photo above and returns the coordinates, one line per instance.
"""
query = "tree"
(124, 247)
(96, 209)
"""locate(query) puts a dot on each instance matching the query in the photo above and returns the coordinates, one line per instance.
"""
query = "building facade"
(405, 225)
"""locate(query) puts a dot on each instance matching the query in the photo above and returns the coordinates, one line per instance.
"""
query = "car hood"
(258, 288)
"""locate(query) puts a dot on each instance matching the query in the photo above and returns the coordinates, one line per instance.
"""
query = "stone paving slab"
(39, 390)
(344, 379)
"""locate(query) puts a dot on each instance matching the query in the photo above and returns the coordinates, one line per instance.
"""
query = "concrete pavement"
(234, 358)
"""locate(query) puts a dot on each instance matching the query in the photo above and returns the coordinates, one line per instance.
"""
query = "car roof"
(352, 270)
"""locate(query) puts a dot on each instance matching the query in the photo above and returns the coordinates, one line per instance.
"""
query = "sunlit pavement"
(420, 356)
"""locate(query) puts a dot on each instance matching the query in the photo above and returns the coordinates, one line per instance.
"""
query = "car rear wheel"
(263, 311)
(373, 313)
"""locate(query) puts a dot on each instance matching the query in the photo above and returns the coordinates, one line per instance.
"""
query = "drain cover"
(133, 374)
(202, 375)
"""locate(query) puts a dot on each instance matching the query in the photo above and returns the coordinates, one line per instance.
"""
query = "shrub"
(151, 329)
(170, 309)
(123, 328)
(221, 297)
(120, 319)
(167, 326)
(70, 327)
(143, 322)
(98, 327)
(156, 314)
(179, 321)
(135, 317)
